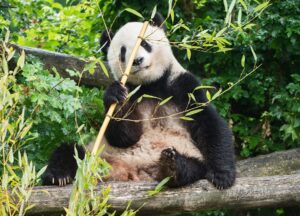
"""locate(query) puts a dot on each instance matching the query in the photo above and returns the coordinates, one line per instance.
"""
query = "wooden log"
(248, 192)
(62, 62)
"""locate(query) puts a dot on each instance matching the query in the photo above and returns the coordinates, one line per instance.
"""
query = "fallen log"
(248, 192)
(62, 62)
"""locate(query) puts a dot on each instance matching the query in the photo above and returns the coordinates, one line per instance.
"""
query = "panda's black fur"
(139, 150)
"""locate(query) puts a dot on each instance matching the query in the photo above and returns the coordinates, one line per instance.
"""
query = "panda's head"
(153, 57)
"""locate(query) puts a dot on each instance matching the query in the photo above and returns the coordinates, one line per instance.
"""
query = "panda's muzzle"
(138, 61)
(138, 69)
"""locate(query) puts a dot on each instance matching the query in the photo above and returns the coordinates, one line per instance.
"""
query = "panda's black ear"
(105, 40)
(158, 20)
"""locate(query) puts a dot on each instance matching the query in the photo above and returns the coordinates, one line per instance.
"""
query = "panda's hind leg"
(182, 169)
(62, 165)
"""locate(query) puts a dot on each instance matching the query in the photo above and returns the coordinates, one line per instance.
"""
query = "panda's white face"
(154, 55)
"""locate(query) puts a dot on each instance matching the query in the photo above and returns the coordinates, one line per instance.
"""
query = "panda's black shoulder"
(185, 83)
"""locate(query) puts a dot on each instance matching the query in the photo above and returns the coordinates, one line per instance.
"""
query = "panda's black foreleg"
(62, 165)
(122, 133)
(182, 169)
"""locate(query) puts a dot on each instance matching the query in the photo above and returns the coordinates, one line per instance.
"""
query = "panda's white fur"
(154, 62)
(139, 162)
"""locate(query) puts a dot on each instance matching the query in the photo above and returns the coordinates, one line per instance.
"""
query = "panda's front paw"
(221, 179)
(56, 177)
(116, 93)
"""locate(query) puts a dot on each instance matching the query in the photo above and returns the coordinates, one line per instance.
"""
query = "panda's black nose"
(138, 61)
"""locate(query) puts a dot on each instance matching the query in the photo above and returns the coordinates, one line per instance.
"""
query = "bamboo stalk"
(123, 81)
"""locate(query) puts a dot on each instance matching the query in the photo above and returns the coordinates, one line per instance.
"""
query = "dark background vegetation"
(263, 110)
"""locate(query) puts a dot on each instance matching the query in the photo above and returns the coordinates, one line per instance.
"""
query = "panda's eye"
(122, 53)
(146, 46)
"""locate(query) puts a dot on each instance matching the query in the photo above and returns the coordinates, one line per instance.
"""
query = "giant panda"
(152, 142)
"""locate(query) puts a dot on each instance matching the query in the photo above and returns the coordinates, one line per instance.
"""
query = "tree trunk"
(248, 192)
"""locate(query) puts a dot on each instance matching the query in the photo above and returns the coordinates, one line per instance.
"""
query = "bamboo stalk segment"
(123, 81)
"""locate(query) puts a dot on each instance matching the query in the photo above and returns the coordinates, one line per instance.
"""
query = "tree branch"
(248, 192)
(62, 62)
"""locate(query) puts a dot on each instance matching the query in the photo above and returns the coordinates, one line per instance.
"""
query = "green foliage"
(18, 174)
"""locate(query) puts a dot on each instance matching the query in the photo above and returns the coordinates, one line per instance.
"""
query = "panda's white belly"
(140, 161)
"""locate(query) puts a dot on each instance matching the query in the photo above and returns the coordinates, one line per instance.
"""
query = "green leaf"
(104, 69)
(165, 101)
(41, 171)
(242, 2)
(204, 87)
(21, 60)
(217, 94)
(208, 95)
(193, 112)
(239, 21)
(189, 54)
(159, 187)
(253, 53)
(151, 96)
(133, 91)
(261, 6)
(130, 10)
(243, 61)
(186, 118)
(80, 128)
(7, 35)
(153, 11)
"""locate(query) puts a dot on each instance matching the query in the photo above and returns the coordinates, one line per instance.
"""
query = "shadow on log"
(248, 192)
(62, 62)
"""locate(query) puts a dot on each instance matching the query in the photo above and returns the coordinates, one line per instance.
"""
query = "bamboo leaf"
(204, 87)
(151, 96)
(239, 21)
(189, 54)
(243, 61)
(217, 94)
(80, 128)
(242, 2)
(21, 60)
(254, 54)
(133, 91)
(153, 11)
(104, 69)
(261, 6)
(193, 112)
(208, 95)
(186, 118)
(165, 101)
(134, 12)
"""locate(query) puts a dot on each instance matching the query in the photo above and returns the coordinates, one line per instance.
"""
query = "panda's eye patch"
(122, 54)
(146, 46)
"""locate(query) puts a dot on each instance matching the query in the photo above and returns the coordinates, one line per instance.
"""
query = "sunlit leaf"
(188, 54)
(254, 54)
(104, 69)
(193, 112)
(130, 10)
(208, 96)
(153, 11)
(243, 60)
(165, 101)
(261, 6)
(21, 60)
(133, 91)
(186, 118)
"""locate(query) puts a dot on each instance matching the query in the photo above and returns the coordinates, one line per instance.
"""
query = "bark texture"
(279, 189)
